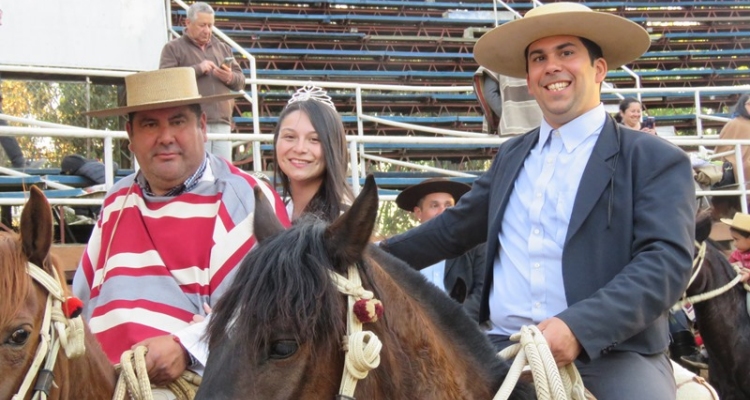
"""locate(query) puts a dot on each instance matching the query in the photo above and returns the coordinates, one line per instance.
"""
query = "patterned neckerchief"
(186, 186)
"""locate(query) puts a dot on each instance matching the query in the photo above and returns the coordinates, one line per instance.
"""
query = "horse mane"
(446, 312)
(14, 283)
(285, 280)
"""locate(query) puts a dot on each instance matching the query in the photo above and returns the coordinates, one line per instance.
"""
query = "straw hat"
(740, 221)
(502, 49)
(409, 197)
(162, 88)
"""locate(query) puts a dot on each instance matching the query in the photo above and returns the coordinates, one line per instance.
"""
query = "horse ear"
(350, 233)
(36, 227)
(703, 224)
(265, 222)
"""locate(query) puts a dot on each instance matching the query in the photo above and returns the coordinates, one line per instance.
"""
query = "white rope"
(697, 265)
(133, 382)
(550, 382)
(362, 347)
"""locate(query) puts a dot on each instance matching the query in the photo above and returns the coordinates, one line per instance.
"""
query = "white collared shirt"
(528, 283)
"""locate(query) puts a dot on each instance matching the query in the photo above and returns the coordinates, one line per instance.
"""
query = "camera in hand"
(650, 122)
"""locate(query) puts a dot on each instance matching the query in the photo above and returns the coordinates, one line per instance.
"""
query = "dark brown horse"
(90, 376)
(723, 321)
(277, 332)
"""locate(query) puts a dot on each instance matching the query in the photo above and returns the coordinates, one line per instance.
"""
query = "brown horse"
(90, 376)
(723, 320)
(277, 332)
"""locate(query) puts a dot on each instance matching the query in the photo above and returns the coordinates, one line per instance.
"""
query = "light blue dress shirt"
(435, 273)
(528, 284)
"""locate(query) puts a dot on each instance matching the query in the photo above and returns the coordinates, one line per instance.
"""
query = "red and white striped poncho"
(151, 262)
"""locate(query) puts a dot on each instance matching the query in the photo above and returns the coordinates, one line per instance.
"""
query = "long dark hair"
(740, 110)
(334, 192)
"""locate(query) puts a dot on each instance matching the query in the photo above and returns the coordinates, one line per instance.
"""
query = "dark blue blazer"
(629, 245)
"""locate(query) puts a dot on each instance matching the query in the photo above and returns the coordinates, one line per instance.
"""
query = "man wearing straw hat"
(168, 237)
(589, 226)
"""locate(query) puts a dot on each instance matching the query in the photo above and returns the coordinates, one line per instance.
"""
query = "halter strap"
(697, 265)
(362, 347)
(56, 331)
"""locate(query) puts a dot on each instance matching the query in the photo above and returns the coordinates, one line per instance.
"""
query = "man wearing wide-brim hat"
(460, 277)
(169, 236)
(589, 226)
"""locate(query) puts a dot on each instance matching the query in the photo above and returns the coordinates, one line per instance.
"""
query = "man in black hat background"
(589, 225)
(460, 277)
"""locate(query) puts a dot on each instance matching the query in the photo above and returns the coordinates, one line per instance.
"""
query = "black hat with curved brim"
(409, 197)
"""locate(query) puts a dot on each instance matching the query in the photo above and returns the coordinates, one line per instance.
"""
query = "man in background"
(215, 70)
(460, 277)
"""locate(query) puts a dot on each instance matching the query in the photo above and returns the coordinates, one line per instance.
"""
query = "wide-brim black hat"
(409, 197)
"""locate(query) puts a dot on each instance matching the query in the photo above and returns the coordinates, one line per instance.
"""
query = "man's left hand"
(223, 74)
(166, 359)
(562, 342)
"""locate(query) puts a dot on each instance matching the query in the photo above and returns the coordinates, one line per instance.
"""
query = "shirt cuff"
(191, 338)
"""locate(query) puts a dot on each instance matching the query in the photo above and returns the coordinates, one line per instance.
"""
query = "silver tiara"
(311, 92)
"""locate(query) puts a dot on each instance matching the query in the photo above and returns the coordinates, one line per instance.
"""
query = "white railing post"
(360, 128)
(698, 114)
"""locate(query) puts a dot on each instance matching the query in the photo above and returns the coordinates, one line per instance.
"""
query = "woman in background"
(631, 114)
(310, 156)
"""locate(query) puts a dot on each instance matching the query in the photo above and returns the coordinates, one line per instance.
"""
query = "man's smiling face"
(563, 79)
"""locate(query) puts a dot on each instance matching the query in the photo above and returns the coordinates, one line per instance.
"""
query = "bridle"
(698, 262)
(58, 330)
(362, 347)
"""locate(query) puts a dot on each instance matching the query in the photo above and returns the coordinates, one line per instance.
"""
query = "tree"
(61, 103)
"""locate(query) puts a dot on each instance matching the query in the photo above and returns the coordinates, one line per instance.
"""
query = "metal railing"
(356, 142)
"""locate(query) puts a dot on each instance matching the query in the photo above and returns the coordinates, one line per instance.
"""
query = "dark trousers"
(11, 147)
(622, 375)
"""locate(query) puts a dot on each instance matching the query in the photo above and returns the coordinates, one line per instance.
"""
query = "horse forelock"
(281, 285)
(14, 281)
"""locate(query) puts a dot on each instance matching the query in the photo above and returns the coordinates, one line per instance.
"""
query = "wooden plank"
(68, 256)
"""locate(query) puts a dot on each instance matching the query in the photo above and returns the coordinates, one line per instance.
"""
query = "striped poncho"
(151, 262)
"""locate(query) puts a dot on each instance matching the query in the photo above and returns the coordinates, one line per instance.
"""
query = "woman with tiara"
(310, 156)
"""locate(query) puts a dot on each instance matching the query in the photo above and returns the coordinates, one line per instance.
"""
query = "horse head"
(281, 329)
(24, 302)
(29, 330)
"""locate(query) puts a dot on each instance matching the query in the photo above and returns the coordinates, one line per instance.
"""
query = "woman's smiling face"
(298, 149)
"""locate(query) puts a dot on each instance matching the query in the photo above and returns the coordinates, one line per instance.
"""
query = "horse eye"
(18, 337)
(283, 349)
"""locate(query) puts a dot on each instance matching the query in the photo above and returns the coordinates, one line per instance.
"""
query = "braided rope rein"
(133, 382)
(697, 265)
(362, 347)
(550, 382)
(57, 331)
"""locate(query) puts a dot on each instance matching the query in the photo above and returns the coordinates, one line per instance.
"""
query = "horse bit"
(62, 326)
(362, 347)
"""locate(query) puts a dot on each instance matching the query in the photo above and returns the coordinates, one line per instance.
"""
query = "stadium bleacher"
(695, 43)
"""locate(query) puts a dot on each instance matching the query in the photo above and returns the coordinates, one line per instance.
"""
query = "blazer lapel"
(597, 175)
